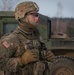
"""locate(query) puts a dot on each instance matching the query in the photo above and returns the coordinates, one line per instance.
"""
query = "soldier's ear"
(19, 20)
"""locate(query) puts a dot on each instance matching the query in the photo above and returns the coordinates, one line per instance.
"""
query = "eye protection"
(33, 14)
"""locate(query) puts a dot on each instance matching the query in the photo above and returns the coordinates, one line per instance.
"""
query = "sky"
(50, 7)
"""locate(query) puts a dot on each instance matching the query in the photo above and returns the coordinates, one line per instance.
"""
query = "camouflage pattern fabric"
(25, 7)
(11, 47)
(15, 44)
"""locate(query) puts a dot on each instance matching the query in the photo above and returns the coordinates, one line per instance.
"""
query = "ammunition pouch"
(41, 68)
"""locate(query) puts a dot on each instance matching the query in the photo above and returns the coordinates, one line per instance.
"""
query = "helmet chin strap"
(26, 26)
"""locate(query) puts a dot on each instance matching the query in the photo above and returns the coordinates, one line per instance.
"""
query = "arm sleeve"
(7, 61)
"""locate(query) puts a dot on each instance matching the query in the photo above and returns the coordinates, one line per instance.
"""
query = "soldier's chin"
(33, 25)
(36, 24)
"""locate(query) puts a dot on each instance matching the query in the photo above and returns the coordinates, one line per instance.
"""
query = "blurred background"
(51, 8)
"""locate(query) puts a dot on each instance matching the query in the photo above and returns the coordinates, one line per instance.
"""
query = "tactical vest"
(33, 43)
(29, 42)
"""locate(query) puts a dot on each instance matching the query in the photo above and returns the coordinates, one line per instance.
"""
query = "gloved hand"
(27, 57)
(49, 56)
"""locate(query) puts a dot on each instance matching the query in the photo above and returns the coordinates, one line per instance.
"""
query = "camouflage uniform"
(14, 44)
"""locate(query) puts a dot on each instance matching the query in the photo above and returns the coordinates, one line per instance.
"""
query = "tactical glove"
(27, 57)
(49, 56)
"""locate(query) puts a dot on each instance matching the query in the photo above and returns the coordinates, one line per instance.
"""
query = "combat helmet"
(25, 7)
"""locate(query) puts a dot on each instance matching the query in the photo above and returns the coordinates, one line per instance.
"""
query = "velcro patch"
(6, 44)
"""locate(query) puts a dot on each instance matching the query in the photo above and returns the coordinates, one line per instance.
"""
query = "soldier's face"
(33, 18)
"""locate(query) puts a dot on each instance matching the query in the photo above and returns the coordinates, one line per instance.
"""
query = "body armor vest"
(30, 42)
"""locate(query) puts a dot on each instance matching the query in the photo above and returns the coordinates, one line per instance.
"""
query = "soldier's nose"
(36, 19)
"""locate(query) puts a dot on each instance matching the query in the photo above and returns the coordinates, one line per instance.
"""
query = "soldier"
(20, 50)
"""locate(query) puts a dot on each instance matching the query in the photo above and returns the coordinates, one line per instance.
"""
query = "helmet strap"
(25, 27)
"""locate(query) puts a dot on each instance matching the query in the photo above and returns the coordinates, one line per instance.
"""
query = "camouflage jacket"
(13, 45)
